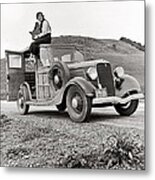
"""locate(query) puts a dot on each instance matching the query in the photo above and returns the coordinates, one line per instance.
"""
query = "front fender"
(129, 84)
(85, 85)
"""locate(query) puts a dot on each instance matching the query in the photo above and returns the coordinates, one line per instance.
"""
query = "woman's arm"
(45, 29)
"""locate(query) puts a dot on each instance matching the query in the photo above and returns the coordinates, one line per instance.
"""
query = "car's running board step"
(40, 103)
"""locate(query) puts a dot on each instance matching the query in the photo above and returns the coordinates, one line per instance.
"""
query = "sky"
(105, 20)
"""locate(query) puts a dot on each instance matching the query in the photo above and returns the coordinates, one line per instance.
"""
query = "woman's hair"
(39, 13)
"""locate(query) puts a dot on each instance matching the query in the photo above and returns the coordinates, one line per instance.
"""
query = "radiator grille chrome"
(106, 78)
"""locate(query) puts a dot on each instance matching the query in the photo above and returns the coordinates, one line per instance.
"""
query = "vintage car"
(64, 78)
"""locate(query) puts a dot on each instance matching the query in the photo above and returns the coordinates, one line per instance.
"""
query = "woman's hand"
(36, 37)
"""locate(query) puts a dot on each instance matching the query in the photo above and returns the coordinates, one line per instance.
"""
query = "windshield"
(68, 55)
(78, 56)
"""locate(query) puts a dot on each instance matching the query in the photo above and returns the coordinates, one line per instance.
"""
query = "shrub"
(120, 151)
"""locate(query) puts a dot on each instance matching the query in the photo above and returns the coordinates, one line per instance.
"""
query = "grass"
(118, 152)
(55, 144)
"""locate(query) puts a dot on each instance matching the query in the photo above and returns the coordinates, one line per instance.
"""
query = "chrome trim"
(116, 100)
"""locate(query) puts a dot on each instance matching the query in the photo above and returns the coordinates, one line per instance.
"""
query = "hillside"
(95, 48)
(118, 52)
(133, 43)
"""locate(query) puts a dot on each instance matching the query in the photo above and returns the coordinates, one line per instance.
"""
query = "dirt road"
(103, 116)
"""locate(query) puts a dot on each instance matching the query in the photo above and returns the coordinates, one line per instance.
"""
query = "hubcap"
(21, 102)
(125, 106)
(74, 102)
(77, 103)
(56, 79)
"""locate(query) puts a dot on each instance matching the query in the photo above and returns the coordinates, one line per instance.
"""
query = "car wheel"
(21, 100)
(128, 108)
(59, 75)
(78, 104)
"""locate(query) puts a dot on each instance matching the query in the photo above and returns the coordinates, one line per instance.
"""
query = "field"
(53, 143)
(47, 138)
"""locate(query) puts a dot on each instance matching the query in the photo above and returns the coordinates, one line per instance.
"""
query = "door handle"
(8, 77)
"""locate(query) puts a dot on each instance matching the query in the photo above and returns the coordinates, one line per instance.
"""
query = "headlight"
(119, 72)
(92, 73)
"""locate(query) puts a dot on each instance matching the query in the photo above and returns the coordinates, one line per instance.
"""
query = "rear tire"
(127, 109)
(23, 108)
(78, 104)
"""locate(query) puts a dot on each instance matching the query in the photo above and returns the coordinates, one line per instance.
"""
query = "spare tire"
(59, 75)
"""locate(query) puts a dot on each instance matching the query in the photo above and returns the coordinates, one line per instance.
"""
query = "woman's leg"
(44, 40)
(34, 47)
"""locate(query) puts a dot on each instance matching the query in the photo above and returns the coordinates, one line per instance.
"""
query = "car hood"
(84, 64)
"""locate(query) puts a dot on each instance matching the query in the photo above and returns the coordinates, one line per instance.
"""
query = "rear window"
(15, 61)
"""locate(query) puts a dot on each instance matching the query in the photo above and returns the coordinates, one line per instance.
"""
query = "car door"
(15, 73)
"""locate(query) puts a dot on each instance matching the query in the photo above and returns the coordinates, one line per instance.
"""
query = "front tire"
(78, 104)
(23, 108)
(128, 108)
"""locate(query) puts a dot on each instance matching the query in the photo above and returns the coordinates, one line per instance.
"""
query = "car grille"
(106, 78)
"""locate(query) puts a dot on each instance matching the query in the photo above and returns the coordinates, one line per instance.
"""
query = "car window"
(15, 61)
(78, 56)
(66, 58)
(67, 55)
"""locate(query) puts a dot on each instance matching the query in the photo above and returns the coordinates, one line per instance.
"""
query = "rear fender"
(28, 88)
(129, 84)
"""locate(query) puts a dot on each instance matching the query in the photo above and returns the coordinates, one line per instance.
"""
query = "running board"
(41, 103)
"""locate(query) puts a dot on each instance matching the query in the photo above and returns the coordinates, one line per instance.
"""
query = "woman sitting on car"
(41, 34)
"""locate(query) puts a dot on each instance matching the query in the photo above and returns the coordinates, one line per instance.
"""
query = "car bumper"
(117, 100)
